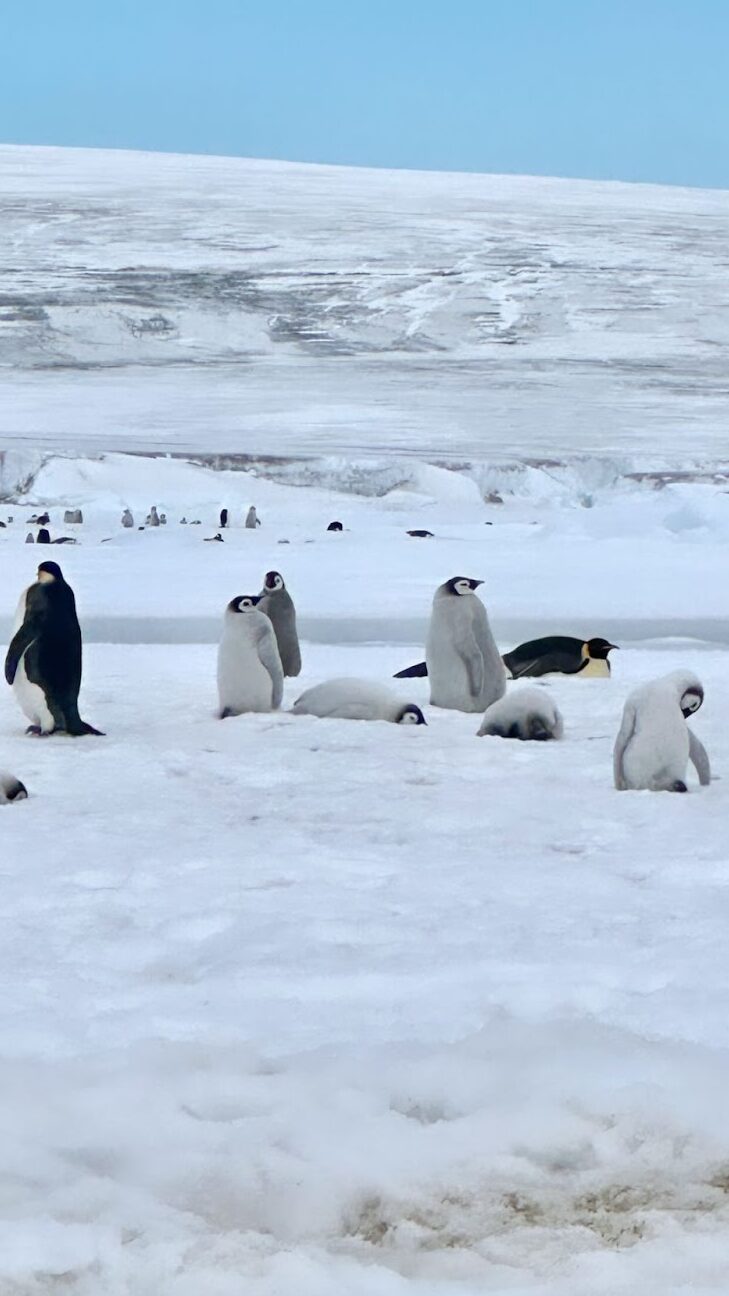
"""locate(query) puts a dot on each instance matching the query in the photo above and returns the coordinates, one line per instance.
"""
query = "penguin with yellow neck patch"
(560, 655)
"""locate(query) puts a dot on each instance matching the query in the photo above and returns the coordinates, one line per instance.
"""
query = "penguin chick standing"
(561, 655)
(252, 519)
(43, 663)
(11, 789)
(278, 605)
(250, 675)
(356, 699)
(654, 743)
(464, 665)
(526, 713)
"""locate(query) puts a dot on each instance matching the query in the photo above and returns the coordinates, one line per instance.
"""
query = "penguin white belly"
(595, 669)
(32, 700)
(244, 684)
(657, 754)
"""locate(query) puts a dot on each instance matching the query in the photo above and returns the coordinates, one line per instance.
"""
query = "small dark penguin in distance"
(335, 526)
(560, 655)
(43, 663)
(421, 535)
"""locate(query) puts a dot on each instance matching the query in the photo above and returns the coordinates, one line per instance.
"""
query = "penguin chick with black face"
(43, 663)
(250, 675)
(561, 655)
(356, 699)
(464, 665)
(654, 743)
(527, 713)
(11, 789)
(278, 605)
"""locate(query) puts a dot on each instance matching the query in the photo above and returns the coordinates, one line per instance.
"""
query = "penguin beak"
(611, 646)
(475, 583)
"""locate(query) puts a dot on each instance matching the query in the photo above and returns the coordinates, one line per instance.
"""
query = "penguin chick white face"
(273, 581)
(689, 690)
(412, 715)
(244, 603)
(692, 700)
(463, 585)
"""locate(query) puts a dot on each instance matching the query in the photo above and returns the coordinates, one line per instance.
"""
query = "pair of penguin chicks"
(466, 673)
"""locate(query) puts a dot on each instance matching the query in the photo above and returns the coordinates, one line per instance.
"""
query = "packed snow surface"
(305, 1007)
(218, 304)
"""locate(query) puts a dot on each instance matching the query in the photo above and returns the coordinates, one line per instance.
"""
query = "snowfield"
(303, 1008)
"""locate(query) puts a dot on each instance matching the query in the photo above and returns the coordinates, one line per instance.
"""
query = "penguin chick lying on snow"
(11, 789)
(527, 713)
(356, 699)
(654, 743)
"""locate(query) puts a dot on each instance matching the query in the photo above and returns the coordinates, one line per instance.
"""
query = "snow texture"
(301, 1007)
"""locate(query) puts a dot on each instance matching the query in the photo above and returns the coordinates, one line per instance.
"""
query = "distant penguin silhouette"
(278, 605)
(212, 539)
(43, 520)
(183, 521)
(223, 518)
(127, 518)
(560, 654)
(43, 663)
(525, 713)
(11, 789)
(43, 536)
(250, 675)
(654, 743)
(65, 540)
(153, 519)
(464, 665)
(335, 526)
(29, 538)
(163, 519)
(421, 535)
(356, 699)
(252, 519)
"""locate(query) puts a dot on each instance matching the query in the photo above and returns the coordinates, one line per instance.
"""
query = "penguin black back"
(559, 654)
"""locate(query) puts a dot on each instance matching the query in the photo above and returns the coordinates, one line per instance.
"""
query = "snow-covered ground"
(305, 1008)
(218, 304)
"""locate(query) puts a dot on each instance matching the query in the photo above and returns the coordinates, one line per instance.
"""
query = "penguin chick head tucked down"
(689, 690)
(462, 585)
(244, 603)
(273, 580)
(411, 714)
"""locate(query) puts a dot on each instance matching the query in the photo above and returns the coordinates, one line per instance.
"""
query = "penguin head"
(688, 688)
(692, 699)
(49, 572)
(462, 585)
(273, 581)
(411, 715)
(244, 603)
(598, 649)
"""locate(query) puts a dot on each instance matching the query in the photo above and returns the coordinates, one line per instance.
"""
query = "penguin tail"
(85, 728)
(419, 671)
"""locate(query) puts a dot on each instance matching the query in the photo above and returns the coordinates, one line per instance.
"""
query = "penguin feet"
(678, 786)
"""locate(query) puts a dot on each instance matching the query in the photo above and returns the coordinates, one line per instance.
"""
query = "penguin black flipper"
(419, 671)
(24, 636)
(553, 662)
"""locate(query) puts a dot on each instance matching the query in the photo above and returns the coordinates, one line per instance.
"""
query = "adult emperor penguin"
(526, 713)
(11, 788)
(250, 675)
(278, 605)
(356, 699)
(464, 665)
(654, 743)
(252, 519)
(43, 662)
(562, 655)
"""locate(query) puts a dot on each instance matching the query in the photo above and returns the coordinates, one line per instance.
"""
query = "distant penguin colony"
(250, 674)
(278, 605)
(356, 699)
(528, 714)
(654, 743)
(43, 663)
(465, 669)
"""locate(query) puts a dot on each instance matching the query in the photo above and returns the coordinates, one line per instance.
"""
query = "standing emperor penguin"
(278, 605)
(252, 519)
(43, 664)
(654, 743)
(526, 713)
(464, 665)
(250, 675)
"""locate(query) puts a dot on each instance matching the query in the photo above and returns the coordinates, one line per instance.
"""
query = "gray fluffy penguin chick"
(11, 789)
(250, 675)
(356, 699)
(654, 743)
(252, 518)
(526, 713)
(464, 665)
(278, 605)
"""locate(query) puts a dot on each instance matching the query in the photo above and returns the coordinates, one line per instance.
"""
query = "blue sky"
(614, 89)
